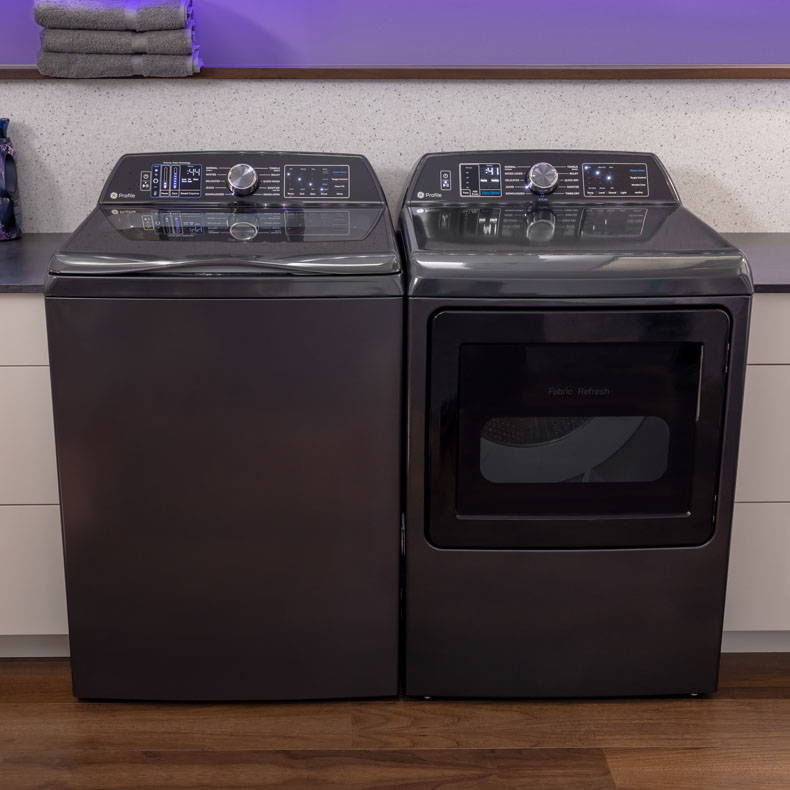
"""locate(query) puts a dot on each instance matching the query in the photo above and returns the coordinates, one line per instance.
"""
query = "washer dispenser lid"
(338, 240)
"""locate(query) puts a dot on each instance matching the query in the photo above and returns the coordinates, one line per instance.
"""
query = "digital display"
(605, 179)
(317, 181)
(175, 181)
(480, 179)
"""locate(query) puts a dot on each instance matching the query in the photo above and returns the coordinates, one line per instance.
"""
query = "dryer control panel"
(241, 177)
(543, 176)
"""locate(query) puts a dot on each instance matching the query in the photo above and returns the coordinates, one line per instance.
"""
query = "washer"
(225, 338)
(576, 356)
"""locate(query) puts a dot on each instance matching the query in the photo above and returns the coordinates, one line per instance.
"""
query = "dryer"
(576, 357)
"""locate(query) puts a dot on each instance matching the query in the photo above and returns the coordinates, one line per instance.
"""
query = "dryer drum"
(520, 431)
(574, 449)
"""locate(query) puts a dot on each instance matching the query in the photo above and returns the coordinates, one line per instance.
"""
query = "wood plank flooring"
(737, 739)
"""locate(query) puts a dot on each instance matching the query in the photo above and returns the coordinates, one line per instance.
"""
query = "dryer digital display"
(481, 179)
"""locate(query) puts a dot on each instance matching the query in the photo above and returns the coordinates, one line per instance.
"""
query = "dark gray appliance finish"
(574, 403)
(228, 439)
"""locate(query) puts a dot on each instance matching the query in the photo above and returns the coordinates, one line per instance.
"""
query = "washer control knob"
(243, 231)
(541, 226)
(242, 180)
(543, 178)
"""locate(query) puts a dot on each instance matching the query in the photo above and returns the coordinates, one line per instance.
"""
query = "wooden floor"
(738, 738)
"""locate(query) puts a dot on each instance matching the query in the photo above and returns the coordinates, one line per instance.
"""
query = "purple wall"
(465, 32)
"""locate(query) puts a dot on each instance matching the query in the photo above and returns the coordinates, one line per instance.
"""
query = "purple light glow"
(465, 32)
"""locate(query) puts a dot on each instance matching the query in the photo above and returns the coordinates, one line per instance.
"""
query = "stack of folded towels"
(117, 38)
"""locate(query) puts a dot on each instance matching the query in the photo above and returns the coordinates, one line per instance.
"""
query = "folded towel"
(62, 64)
(139, 15)
(117, 42)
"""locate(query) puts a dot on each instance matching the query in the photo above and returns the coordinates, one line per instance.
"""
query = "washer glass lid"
(288, 240)
(274, 225)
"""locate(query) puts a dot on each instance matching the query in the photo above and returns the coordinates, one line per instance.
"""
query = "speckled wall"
(726, 143)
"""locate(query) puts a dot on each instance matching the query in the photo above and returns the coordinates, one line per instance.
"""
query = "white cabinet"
(28, 473)
(23, 331)
(769, 333)
(32, 589)
(764, 460)
(758, 591)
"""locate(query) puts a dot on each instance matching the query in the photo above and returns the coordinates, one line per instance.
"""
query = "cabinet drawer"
(32, 588)
(758, 590)
(23, 331)
(769, 334)
(764, 460)
(28, 474)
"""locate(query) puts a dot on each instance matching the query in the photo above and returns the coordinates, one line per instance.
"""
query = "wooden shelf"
(759, 72)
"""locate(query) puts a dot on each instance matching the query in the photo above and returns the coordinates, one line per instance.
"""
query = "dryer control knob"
(242, 180)
(541, 226)
(543, 178)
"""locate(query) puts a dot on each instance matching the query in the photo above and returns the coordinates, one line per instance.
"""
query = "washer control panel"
(545, 176)
(247, 177)
(317, 181)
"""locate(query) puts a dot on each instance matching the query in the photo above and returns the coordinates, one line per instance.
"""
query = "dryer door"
(575, 429)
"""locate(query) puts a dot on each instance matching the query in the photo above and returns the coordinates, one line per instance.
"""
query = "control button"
(543, 178)
(242, 179)
(145, 180)
(446, 179)
(156, 180)
(541, 226)
(243, 231)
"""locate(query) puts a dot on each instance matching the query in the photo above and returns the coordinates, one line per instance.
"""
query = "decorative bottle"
(10, 226)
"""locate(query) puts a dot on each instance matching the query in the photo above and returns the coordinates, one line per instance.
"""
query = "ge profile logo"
(114, 195)
(420, 195)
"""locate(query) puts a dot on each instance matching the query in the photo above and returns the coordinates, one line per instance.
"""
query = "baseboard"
(45, 646)
(57, 645)
(756, 642)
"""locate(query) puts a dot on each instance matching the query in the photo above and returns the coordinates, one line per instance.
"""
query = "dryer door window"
(575, 429)
(594, 448)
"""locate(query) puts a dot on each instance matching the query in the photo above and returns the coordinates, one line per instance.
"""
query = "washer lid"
(151, 240)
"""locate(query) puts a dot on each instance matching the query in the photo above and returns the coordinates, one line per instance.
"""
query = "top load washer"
(576, 356)
(225, 342)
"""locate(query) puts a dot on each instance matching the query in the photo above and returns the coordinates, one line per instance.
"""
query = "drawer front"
(769, 334)
(23, 331)
(32, 588)
(758, 590)
(28, 474)
(764, 460)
